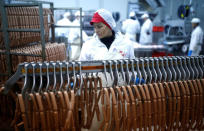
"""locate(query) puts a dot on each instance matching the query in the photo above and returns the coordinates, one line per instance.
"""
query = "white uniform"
(74, 37)
(63, 31)
(131, 28)
(94, 49)
(196, 41)
(75, 33)
(144, 37)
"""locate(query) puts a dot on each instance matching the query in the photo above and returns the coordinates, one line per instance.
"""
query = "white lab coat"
(75, 33)
(63, 31)
(196, 41)
(131, 28)
(144, 37)
(94, 49)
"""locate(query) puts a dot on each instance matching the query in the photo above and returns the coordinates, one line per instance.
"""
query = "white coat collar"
(118, 37)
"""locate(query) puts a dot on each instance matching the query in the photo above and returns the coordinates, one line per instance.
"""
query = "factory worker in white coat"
(196, 38)
(146, 30)
(131, 27)
(64, 22)
(106, 44)
(75, 37)
(75, 32)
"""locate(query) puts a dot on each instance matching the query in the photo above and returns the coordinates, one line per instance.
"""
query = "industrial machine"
(173, 17)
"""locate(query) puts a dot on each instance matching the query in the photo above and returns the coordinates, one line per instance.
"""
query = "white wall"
(111, 5)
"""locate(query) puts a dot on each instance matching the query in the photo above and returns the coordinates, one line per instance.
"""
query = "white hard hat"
(145, 16)
(195, 20)
(66, 14)
(103, 15)
(132, 14)
(78, 13)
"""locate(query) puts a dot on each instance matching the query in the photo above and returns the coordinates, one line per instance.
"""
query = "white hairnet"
(145, 16)
(66, 14)
(107, 16)
(78, 13)
(195, 20)
(132, 14)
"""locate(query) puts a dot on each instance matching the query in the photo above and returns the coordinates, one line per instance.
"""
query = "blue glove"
(137, 81)
(190, 52)
(71, 84)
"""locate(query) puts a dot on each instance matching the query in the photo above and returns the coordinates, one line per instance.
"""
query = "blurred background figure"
(116, 17)
(65, 21)
(146, 30)
(131, 27)
(74, 37)
(75, 32)
(196, 38)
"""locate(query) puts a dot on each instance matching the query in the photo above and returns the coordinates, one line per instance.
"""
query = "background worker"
(146, 30)
(131, 27)
(196, 38)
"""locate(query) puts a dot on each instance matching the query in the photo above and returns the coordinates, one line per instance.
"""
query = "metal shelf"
(6, 30)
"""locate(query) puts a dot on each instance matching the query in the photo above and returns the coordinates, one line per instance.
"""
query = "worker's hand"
(190, 52)
(137, 81)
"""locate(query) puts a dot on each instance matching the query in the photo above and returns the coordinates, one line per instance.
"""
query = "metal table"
(147, 50)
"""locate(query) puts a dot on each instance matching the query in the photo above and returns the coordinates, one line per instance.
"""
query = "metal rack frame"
(5, 30)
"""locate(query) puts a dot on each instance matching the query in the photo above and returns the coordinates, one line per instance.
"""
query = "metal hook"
(199, 67)
(26, 79)
(144, 74)
(192, 74)
(61, 77)
(169, 74)
(81, 79)
(104, 64)
(117, 74)
(74, 74)
(148, 70)
(48, 77)
(173, 72)
(138, 70)
(33, 87)
(134, 74)
(194, 67)
(127, 72)
(186, 70)
(158, 71)
(40, 87)
(111, 70)
(175, 60)
(181, 68)
(164, 76)
(154, 73)
(68, 79)
(122, 70)
(54, 68)
(201, 62)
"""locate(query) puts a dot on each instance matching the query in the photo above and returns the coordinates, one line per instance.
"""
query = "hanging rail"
(162, 68)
